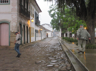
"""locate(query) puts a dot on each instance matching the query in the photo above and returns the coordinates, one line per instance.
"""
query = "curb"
(21, 46)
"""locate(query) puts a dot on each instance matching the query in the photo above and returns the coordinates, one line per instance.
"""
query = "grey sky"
(44, 15)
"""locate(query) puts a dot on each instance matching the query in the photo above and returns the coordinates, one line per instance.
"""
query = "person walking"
(17, 43)
(82, 37)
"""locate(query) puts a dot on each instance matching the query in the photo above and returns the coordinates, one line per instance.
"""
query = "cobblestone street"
(45, 55)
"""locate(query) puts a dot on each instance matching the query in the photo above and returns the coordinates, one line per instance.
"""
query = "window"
(22, 2)
(4, 1)
(37, 22)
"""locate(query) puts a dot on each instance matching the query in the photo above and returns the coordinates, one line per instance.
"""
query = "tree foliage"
(85, 9)
(67, 21)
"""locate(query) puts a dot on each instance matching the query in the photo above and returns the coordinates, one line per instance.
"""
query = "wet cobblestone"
(46, 55)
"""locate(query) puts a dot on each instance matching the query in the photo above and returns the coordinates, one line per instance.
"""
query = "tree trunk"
(91, 30)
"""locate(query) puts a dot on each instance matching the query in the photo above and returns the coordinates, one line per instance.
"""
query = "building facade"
(18, 15)
(35, 26)
(49, 30)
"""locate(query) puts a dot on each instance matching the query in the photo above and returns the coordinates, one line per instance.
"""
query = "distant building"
(49, 30)
(43, 32)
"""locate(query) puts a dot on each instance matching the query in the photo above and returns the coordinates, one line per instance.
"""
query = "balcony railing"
(37, 22)
(24, 11)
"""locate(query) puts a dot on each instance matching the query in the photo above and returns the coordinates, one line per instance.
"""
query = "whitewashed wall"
(32, 24)
(49, 34)
(9, 13)
(38, 35)
(44, 34)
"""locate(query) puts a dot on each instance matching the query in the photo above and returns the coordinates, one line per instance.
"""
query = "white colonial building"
(49, 30)
(22, 16)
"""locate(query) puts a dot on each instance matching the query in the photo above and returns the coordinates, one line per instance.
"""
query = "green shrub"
(90, 46)
(69, 39)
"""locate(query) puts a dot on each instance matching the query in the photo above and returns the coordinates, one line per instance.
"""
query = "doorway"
(4, 34)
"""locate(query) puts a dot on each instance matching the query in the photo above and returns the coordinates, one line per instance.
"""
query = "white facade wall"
(32, 24)
(64, 35)
(9, 13)
(34, 38)
(73, 35)
(68, 34)
(49, 34)
(44, 33)
(38, 35)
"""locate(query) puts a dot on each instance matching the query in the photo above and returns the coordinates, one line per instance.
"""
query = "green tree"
(67, 22)
(85, 9)
(58, 21)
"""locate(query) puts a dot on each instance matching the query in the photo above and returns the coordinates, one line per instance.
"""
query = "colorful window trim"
(4, 1)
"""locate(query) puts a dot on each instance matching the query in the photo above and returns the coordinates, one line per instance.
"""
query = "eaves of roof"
(38, 6)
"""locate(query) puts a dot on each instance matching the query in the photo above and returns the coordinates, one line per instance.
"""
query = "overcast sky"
(44, 15)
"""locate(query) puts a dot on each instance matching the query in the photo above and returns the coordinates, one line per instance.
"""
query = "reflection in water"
(73, 50)
(84, 53)
(72, 42)
(88, 58)
(84, 56)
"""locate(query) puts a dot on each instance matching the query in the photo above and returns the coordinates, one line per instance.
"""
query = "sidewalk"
(88, 59)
